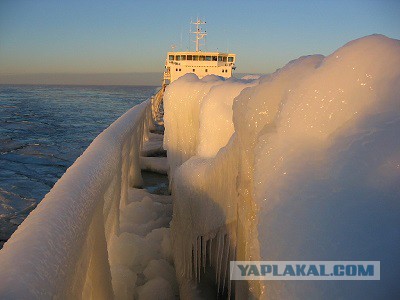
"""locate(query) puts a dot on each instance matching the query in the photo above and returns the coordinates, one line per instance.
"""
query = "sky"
(114, 42)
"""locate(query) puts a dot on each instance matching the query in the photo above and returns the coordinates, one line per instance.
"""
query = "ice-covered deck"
(96, 235)
(302, 164)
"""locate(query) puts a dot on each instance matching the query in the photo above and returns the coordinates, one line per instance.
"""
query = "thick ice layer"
(326, 181)
(154, 164)
(140, 256)
(310, 173)
(182, 100)
(60, 250)
(215, 124)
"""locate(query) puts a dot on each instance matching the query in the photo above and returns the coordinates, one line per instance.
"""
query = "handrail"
(60, 250)
(157, 106)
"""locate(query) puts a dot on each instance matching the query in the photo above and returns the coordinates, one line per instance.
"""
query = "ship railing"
(60, 251)
(157, 107)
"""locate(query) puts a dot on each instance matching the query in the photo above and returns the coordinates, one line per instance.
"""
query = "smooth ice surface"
(310, 172)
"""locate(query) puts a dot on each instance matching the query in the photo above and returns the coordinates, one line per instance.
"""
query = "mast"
(199, 34)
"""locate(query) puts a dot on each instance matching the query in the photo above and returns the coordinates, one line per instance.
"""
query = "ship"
(69, 247)
(201, 63)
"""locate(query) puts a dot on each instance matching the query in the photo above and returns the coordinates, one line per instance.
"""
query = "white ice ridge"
(62, 249)
(310, 169)
(140, 257)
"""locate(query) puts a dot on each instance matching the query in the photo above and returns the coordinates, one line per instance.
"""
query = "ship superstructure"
(179, 63)
(201, 63)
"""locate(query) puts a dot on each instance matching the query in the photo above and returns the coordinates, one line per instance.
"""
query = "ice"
(157, 288)
(310, 170)
(301, 164)
(251, 77)
(143, 248)
(93, 235)
(182, 100)
(215, 124)
(153, 146)
(162, 268)
(154, 164)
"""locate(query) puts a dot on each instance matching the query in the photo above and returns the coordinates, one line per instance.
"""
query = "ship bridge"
(179, 63)
(200, 63)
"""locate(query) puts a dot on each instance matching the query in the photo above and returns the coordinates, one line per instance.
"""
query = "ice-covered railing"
(61, 249)
(157, 106)
(302, 164)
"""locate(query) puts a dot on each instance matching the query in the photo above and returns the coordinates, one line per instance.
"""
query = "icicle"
(221, 254)
(204, 253)
(190, 261)
(226, 261)
(232, 256)
(209, 251)
(195, 258)
(217, 257)
(199, 240)
(185, 262)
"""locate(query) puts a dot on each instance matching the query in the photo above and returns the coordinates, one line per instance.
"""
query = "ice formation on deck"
(140, 256)
(302, 164)
(94, 236)
(310, 171)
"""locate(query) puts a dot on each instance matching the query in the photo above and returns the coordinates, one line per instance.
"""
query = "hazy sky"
(50, 36)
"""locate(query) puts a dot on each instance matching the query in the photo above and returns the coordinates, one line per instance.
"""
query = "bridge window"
(219, 58)
(189, 57)
(178, 57)
(208, 58)
(171, 57)
(214, 58)
(230, 59)
(183, 57)
(202, 57)
(224, 58)
(195, 57)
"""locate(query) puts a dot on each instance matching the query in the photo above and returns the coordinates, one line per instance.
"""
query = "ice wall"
(61, 249)
(310, 172)
(326, 180)
(182, 100)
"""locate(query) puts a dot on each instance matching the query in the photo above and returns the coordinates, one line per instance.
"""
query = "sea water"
(43, 130)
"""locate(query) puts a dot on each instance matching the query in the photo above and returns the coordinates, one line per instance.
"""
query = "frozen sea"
(43, 130)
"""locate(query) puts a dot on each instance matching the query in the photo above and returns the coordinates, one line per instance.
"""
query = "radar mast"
(199, 34)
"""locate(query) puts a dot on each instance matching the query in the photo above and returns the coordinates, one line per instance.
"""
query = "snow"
(310, 170)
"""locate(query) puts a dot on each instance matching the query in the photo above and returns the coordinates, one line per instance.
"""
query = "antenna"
(181, 46)
(199, 34)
